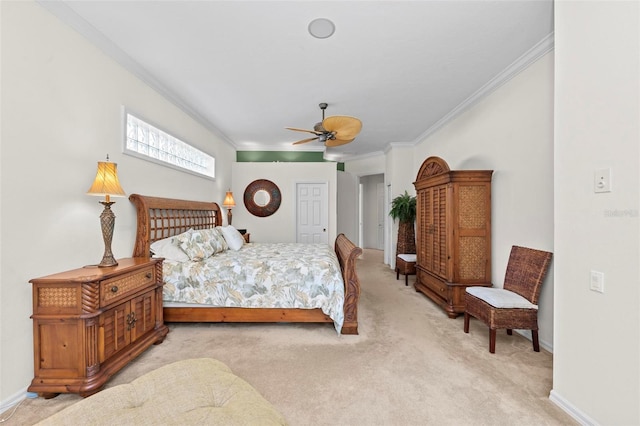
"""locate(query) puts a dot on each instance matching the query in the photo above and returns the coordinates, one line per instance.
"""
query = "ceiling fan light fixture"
(321, 28)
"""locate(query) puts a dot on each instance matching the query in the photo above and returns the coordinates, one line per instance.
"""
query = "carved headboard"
(160, 218)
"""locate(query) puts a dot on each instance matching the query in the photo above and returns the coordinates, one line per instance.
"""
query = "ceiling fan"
(332, 131)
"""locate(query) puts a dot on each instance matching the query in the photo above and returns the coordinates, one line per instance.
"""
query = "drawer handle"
(114, 289)
(149, 275)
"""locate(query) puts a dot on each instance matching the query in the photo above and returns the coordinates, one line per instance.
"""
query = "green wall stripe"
(283, 156)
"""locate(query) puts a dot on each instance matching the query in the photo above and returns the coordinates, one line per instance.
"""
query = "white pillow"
(234, 239)
(168, 248)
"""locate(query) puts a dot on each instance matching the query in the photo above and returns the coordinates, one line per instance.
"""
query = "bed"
(161, 218)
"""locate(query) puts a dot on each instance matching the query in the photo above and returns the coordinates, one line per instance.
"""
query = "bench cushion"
(189, 392)
(408, 257)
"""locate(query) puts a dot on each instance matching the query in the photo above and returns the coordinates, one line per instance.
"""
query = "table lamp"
(106, 183)
(229, 203)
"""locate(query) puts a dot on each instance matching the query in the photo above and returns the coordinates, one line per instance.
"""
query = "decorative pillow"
(195, 243)
(168, 248)
(217, 241)
(234, 239)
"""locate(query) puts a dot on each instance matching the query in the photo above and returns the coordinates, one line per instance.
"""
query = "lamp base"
(107, 222)
(229, 217)
(107, 261)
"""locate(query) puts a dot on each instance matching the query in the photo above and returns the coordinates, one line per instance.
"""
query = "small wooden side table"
(247, 237)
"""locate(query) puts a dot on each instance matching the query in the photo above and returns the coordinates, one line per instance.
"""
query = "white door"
(312, 203)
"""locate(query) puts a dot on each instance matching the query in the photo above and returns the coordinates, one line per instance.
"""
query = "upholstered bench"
(405, 264)
(191, 392)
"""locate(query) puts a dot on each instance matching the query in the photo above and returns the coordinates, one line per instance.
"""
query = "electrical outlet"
(597, 281)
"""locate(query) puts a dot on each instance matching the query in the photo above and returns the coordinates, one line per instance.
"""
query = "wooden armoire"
(453, 232)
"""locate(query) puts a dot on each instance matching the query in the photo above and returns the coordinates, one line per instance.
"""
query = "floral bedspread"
(262, 275)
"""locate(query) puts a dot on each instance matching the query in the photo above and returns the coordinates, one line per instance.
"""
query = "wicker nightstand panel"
(58, 297)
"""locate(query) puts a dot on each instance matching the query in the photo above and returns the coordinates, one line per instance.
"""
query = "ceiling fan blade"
(343, 127)
(305, 140)
(337, 142)
(303, 130)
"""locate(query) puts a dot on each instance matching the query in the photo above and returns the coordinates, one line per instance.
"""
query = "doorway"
(372, 211)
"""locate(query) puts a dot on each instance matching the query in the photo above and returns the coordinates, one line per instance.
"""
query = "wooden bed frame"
(160, 218)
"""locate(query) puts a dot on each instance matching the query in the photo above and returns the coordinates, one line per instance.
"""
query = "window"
(145, 141)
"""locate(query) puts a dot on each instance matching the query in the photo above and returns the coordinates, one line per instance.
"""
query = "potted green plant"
(403, 208)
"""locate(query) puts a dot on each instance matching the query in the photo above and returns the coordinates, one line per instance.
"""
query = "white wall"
(280, 226)
(399, 177)
(347, 203)
(61, 114)
(369, 165)
(597, 335)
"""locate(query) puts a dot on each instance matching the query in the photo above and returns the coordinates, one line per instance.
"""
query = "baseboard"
(571, 410)
(543, 344)
(7, 404)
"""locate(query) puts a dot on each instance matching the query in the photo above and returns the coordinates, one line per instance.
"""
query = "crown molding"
(344, 158)
(536, 52)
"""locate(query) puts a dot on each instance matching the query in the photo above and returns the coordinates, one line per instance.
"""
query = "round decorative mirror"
(262, 198)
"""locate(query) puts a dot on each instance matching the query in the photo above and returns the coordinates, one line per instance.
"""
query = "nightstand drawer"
(116, 288)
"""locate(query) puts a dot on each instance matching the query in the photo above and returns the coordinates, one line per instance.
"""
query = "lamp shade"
(106, 182)
(228, 200)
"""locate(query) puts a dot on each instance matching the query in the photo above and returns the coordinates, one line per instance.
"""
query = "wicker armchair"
(515, 305)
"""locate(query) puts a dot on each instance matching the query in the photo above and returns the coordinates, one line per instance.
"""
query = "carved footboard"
(348, 254)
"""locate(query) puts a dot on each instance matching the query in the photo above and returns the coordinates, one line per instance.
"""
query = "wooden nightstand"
(247, 237)
(88, 323)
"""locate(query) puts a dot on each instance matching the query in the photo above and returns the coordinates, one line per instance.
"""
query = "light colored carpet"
(410, 365)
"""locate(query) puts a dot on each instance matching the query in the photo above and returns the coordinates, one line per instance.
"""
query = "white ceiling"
(248, 69)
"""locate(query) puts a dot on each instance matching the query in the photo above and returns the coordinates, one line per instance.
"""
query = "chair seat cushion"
(408, 257)
(501, 298)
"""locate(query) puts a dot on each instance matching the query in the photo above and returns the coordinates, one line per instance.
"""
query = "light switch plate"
(597, 281)
(602, 180)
